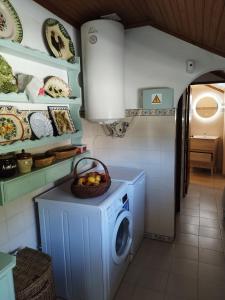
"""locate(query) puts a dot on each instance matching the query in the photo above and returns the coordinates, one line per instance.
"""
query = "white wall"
(156, 59)
(209, 127)
(17, 220)
(152, 59)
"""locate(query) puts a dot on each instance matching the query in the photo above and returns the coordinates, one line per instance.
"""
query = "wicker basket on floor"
(33, 276)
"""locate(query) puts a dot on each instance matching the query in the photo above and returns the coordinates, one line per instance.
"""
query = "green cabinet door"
(7, 263)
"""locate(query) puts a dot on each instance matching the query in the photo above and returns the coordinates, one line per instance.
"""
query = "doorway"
(200, 135)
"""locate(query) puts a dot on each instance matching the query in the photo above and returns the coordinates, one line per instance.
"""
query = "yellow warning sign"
(156, 98)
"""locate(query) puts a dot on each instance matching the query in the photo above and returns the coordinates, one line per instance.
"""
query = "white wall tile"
(31, 237)
(149, 144)
(2, 213)
(3, 233)
(16, 225)
(12, 208)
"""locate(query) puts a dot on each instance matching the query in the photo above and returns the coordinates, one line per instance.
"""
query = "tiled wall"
(18, 223)
(148, 144)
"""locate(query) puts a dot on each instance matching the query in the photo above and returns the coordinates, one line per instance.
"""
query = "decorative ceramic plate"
(14, 125)
(62, 119)
(40, 125)
(10, 25)
(58, 40)
(56, 87)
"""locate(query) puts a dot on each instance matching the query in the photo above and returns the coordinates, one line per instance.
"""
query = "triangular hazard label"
(156, 100)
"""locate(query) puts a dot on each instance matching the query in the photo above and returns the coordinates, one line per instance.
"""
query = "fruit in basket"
(92, 178)
(82, 181)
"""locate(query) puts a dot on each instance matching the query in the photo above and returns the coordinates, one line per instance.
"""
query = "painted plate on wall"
(41, 125)
(14, 125)
(56, 87)
(62, 119)
(10, 25)
(58, 40)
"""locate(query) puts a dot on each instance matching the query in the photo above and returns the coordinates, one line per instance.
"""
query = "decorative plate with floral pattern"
(10, 25)
(58, 40)
(14, 125)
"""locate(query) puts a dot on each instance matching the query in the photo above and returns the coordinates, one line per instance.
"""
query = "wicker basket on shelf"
(90, 191)
(33, 276)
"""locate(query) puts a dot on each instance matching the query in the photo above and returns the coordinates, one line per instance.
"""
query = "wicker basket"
(43, 160)
(90, 191)
(64, 152)
(33, 276)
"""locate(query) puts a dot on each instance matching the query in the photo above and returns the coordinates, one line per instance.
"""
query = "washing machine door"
(122, 237)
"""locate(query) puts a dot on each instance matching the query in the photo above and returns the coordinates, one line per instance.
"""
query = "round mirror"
(206, 107)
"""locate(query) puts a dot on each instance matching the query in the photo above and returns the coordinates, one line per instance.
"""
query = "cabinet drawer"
(203, 145)
(200, 157)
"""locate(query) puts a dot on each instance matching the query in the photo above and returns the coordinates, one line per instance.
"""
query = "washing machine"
(89, 240)
(135, 178)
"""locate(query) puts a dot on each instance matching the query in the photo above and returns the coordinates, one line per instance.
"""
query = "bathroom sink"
(206, 137)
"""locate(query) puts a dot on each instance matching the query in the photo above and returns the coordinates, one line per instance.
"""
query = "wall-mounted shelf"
(17, 186)
(29, 144)
(74, 137)
(61, 101)
(14, 97)
(22, 98)
(18, 50)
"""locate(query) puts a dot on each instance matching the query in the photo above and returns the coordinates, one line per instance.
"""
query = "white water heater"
(103, 70)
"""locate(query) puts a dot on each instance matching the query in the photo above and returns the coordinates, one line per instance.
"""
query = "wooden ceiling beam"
(215, 88)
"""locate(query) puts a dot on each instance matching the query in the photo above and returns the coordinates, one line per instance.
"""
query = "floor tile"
(208, 214)
(212, 273)
(186, 252)
(211, 291)
(189, 204)
(211, 257)
(189, 220)
(209, 243)
(184, 267)
(160, 248)
(146, 294)
(125, 292)
(191, 268)
(152, 279)
(209, 223)
(208, 207)
(172, 297)
(190, 212)
(187, 239)
(210, 232)
(188, 228)
(160, 262)
(132, 274)
(180, 285)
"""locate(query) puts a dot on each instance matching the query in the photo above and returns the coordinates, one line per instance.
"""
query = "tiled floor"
(191, 268)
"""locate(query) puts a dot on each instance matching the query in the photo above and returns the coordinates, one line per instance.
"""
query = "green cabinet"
(7, 263)
(15, 187)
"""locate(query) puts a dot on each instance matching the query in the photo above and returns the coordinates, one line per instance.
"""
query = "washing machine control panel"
(118, 205)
